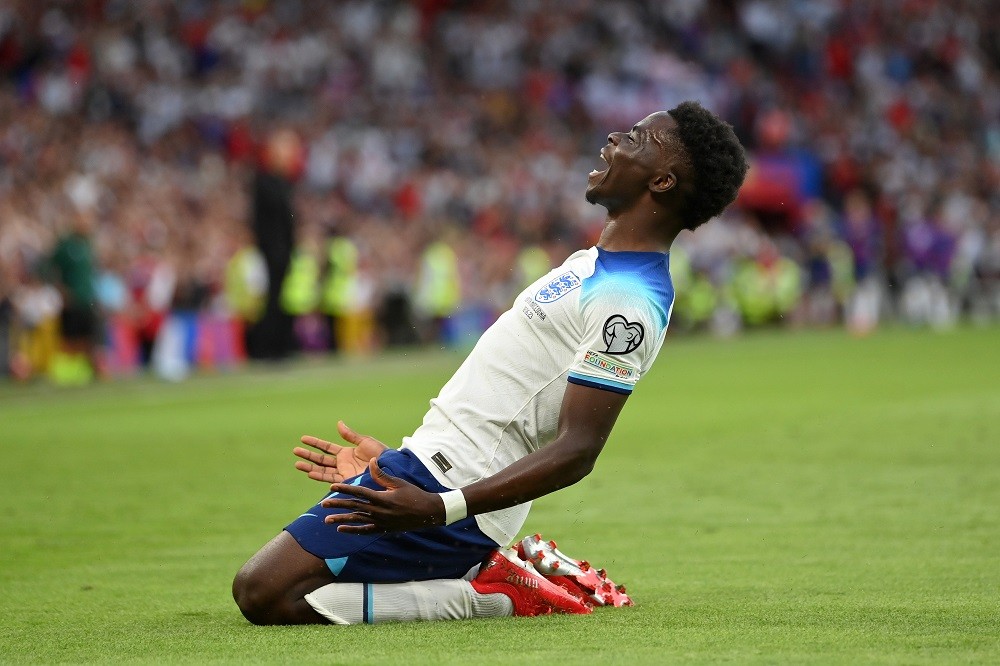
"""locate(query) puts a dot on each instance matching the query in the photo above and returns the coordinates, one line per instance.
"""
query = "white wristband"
(455, 508)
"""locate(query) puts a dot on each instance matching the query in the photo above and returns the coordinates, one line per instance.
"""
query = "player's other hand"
(332, 463)
(401, 506)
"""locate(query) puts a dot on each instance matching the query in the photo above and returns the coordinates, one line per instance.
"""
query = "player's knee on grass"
(270, 588)
(265, 601)
(255, 598)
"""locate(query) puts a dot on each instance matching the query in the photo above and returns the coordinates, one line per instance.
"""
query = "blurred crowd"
(429, 158)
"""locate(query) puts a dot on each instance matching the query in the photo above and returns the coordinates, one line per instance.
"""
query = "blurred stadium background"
(406, 167)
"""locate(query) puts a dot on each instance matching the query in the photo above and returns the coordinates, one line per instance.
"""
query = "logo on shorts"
(441, 462)
(558, 287)
(621, 335)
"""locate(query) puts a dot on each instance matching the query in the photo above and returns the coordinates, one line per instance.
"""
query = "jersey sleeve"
(622, 333)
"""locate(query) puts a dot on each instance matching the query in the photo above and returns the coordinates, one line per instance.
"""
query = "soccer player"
(402, 532)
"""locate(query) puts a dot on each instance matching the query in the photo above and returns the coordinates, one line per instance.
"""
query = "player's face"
(634, 161)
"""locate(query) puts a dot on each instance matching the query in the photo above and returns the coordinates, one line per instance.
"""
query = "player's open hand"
(333, 463)
(401, 506)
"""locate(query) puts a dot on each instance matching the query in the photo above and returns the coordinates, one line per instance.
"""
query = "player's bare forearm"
(540, 473)
(404, 506)
(585, 421)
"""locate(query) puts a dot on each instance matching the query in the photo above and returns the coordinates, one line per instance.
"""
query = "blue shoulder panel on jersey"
(639, 272)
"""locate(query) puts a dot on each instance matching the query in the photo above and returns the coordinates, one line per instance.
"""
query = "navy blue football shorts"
(396, 557)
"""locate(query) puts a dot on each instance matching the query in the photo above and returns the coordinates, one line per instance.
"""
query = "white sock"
(370, 603)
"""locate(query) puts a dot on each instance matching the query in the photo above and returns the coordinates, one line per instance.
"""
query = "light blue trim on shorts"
(336, 565)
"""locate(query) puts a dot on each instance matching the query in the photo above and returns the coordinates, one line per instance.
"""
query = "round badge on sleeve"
(622, 336)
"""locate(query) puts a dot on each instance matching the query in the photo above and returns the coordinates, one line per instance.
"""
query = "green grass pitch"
(781, 498)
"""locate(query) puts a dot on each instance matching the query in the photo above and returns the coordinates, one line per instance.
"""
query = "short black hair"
(717, 159)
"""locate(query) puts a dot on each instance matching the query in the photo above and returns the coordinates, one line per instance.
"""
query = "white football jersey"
(597, 320)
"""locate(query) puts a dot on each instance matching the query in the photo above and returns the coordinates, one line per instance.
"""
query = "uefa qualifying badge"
(622, 336)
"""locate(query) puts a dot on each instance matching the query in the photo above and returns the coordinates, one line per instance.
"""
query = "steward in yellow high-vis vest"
(300, 291)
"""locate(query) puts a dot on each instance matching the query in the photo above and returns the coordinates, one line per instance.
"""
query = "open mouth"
(607, 165)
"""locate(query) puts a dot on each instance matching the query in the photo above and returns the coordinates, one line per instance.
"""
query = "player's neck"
(632, 231)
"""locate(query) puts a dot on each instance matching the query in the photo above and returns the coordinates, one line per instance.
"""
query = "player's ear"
(663, 182)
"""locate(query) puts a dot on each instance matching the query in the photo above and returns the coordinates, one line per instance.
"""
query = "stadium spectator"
(36, 308)
(74, 271)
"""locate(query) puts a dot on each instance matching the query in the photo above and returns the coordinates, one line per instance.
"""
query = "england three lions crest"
(558, 287)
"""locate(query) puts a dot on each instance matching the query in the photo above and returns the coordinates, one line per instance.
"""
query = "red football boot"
(504, 572)
(591, 583)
